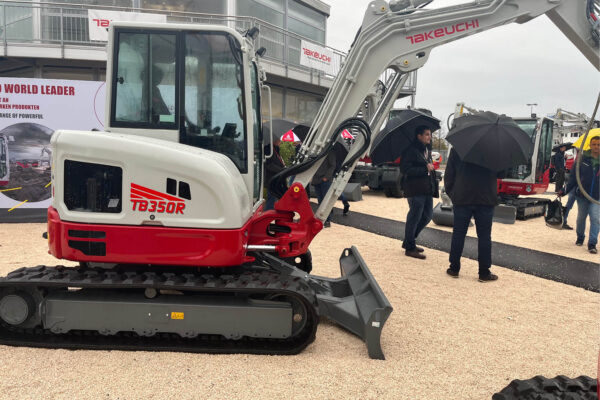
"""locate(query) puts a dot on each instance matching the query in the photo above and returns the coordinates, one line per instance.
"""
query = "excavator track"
(38, 282)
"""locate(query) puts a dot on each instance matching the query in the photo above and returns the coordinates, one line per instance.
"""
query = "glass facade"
(195, 6)
(291, 104)
(287, 14)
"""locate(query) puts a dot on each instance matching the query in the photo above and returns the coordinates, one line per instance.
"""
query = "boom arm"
(402, 40)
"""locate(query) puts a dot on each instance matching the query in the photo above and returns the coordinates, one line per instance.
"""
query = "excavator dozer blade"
(354, 301)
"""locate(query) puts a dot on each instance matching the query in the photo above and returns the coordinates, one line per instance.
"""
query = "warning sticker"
(176, 315)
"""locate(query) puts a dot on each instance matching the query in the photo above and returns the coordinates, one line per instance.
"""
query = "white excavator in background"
(164, 211)
(568, 126)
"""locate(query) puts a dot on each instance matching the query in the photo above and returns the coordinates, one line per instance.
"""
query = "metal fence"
(67, 25)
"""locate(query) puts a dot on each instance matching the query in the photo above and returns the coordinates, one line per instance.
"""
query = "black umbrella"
(280, 126)
(568, 146)
(490, 140)
(398, 134)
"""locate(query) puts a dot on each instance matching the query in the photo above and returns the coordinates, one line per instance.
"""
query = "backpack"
(554, 214)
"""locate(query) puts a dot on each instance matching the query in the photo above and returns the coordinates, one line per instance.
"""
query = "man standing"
(559, 166)
(273, 166)
(418, 185)
(589, 174)
(473, 190)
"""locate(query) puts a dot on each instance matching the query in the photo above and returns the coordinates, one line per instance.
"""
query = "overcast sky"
(500, 70)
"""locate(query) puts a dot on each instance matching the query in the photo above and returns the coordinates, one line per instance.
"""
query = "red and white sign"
(317, 57)
(99, 21)
(347, 135)
(290, 136)
(145, 199)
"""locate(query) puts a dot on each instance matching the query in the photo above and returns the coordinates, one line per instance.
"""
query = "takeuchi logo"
(145, 199)
(441, 32)
(316, 55)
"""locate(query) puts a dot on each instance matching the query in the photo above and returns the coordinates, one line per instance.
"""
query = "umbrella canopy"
(398, 134)
(290, 136)
(490, 140)
(280, 127)
(593, 133)
(568, 146)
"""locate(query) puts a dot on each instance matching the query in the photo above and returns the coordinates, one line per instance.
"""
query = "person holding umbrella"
(419, 185)
(483, 145)
(273, 166)
(558, 161)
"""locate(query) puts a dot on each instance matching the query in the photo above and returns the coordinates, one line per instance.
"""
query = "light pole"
(531, 109)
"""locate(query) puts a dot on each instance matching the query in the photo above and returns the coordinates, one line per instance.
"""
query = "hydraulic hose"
(278, 184)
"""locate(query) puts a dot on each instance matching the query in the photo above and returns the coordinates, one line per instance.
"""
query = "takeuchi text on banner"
(100, 20)
(317, 57)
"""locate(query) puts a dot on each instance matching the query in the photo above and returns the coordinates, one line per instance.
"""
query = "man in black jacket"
(558, 160)
(474, 192)
(418, 185)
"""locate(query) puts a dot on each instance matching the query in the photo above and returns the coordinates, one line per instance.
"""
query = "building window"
(204, 6)
(276, 103)
(271, 11)
(305, 21)
(301, 107)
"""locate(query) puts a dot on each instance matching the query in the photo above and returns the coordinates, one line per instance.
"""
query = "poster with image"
(30, 111)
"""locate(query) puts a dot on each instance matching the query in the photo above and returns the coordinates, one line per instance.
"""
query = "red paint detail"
(288, 136)
(146, 192)
(519, 188)
(152, 244)
(144, 195)
(441, 32)
(366, 159)
(302, 231)
(347, 135)
(3, 183)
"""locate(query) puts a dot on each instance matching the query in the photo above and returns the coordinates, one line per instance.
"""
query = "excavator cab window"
(256, 132)
(145, 80)
(214, 96)
(544, 150)
(522, 171)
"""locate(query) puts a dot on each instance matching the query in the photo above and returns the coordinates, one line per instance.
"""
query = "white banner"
(30, 111)
(317, 57)
(99, 21)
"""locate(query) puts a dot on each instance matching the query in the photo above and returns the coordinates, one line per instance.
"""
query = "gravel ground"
(447, 338)
(532, 233)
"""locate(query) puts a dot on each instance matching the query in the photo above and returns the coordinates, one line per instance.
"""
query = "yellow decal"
(176, 315)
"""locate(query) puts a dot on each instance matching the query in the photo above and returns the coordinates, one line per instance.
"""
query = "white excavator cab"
(192, 85)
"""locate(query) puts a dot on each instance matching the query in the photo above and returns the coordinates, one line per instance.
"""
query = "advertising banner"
(317, 57)
(99, 21)
(30, 111)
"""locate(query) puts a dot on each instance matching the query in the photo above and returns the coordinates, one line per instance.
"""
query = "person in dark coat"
(419, 185)
(322, 180)
(474, 192)
(558, 161)
(273, 166)
(589, 174)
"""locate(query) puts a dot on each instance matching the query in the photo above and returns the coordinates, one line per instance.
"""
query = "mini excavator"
(164, 211)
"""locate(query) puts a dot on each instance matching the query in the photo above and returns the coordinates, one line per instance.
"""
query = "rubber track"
(255, 282)
(559, 388)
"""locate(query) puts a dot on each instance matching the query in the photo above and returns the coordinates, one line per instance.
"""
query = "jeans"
(419, 214)
(483, 224)
(569, 205)
(585, 208)
(322, 189)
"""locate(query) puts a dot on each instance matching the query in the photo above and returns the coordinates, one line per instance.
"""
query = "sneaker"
(488, 278)
(452, 273)
(326, 224)
(593, 249)
(579, 242)
(415, 254)
(567, 227)
(346, 209)
(419, 249)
